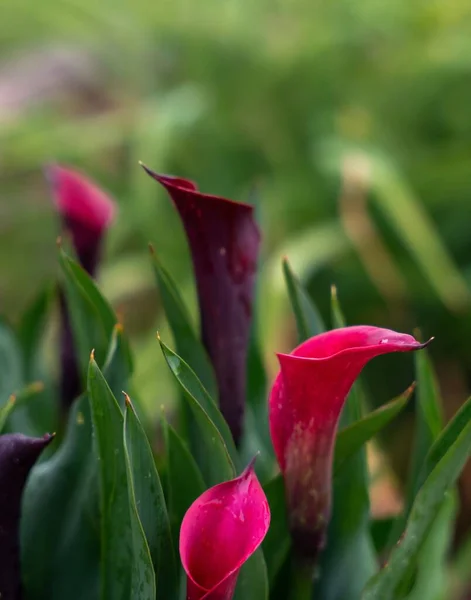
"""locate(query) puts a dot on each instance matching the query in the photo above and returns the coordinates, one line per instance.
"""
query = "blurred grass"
(352, 118)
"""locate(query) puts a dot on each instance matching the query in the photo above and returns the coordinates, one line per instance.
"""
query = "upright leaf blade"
(308, 320)
(425, 508)
(92, 318)
(150, 502)
(350, 439)
(126, 565)
(218, 458)
(252, 583)
(188, 344)
(182, 491)
(277, 543)
(31, 329)
(429, 419)
(60, 524)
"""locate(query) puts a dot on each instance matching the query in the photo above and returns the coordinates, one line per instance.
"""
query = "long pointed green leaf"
(277, 543)
(252, 583)
(182, 491)
(308, 320)
(31, 329)
(218, 459)
(91, 316)
(429, 422)
(126, 566)
(187, 342)
(150, 502)
(61, 522)
(428, 501)
(445, 440)
(350, 439)
(429, 419)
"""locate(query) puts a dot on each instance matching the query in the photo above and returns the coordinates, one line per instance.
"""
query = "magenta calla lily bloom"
(224, 242)
(219, 532)
(86, 212)
(306, 400)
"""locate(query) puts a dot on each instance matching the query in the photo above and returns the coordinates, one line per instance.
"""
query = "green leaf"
(425, 509)
(429, 422)
(338, 318)
(31, 329)
(150, 502)
(220, 456)
(188, 344)
(429, 419)
(432, 576)
(182, 491)
(5, 411)
(91, 316)
(308, 320)
(60, 521)
(11, 367)
(252, 583)
(126, 565)
(350, 439)
(277, 542)
(445, 440)
(25, 416)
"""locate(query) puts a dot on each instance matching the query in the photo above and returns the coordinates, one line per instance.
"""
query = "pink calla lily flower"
(306, 400)
(219, 532)
(86, 212)
(224, 242)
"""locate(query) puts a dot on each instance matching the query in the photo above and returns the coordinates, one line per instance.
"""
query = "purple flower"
(18, 454)
(224, 242)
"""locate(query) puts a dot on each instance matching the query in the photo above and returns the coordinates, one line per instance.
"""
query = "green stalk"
(302, 581)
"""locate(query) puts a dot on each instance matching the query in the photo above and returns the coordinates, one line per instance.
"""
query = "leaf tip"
(92, 355)
(59, 242)
(36, 387)
(127, 399)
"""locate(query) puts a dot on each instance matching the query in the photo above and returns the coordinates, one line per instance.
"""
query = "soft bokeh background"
(350, 121)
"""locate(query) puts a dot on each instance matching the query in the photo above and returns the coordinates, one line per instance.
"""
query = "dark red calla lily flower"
(306, 400)
(219, 532)
(224, 242)
(86, 212)
(18, 454)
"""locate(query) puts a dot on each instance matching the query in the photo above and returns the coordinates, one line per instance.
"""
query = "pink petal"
(219, 532)
(306, 400)
(79, 199)
(224, 242)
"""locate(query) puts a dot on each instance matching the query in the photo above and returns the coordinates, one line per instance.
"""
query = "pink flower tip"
(80, 200)
(305, 403)
(219, 532)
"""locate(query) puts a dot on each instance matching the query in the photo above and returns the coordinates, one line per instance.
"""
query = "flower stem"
(302, 580)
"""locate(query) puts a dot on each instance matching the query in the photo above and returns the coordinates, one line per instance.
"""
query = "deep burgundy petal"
(18, 454)
(305, 405)
(219, 532)
(224, 242)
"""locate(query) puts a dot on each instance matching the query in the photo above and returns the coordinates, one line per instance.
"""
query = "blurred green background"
(350, 121)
